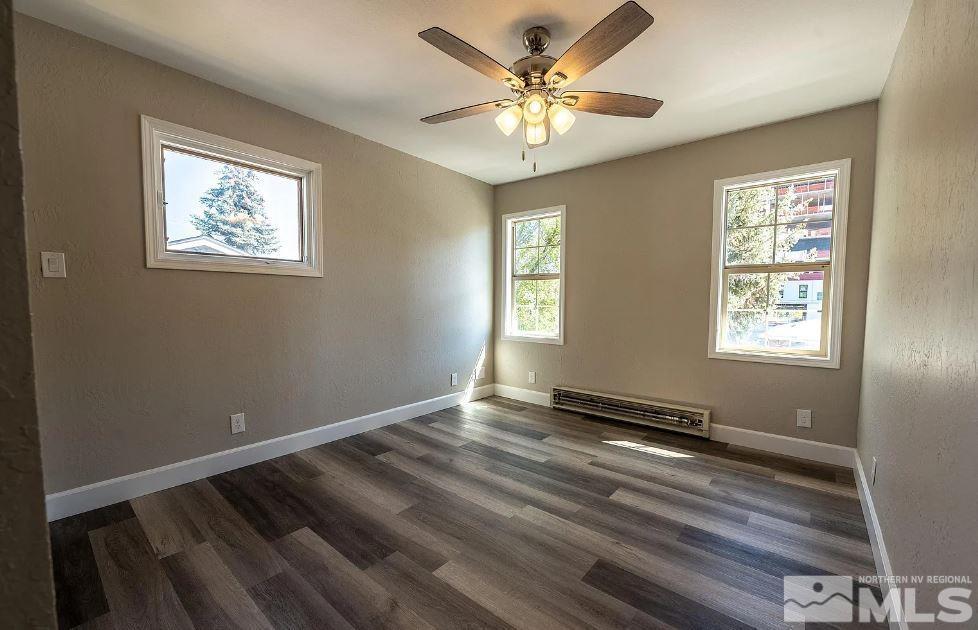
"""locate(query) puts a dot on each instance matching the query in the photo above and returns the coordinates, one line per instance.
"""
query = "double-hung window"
(215, 204)
(778, 264)
(533, 275)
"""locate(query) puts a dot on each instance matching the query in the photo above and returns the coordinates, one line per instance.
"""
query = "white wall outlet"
(237, 423)
(873, 474)
(532, 377)
(480, 372)
(53, 265)
(803, 418)
(454, 379)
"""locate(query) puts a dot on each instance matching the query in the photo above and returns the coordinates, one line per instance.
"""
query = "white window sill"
(780, 359)
(556, 341)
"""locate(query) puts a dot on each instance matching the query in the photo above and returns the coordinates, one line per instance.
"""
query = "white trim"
(157, 133)
(507, 270)
(96, 495)
(835, 289)
(523, 395)
(880, 555)
(784, 445)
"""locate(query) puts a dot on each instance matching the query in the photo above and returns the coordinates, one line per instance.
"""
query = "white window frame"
(506, 316)
(834, 269)
(157, 134)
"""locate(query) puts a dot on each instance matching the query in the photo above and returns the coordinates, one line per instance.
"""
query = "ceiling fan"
(538, 81)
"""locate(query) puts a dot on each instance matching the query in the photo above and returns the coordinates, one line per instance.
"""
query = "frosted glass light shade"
(535, 109)
(561, 118)
(509, 119)
(536, 134)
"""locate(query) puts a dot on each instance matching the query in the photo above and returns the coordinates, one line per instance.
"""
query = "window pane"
(810, 199)
(527, 233)
(747, 291)
(796, 321)
(550, 231)
(550, 260)
(750, 206)
(548, 292)
(221, 208)
(527, 260)
(547, 322)
(525, 319)
(525, 292)
(750, 246)
(804, 242)
(745, 329)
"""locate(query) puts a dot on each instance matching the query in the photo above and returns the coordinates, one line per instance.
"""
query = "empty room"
(456, 314)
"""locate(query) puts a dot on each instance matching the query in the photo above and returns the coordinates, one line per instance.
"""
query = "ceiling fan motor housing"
(532, 68)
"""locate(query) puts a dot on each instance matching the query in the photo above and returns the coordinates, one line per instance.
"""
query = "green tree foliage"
(234, 213)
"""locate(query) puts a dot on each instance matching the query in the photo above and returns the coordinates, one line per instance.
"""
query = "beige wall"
(638, 240)
(26, 588)
(919, 407)
(137, 367)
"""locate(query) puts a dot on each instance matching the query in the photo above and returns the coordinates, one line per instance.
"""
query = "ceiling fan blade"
(599, 44)
(469, 55)
(612, 104)
(463, 112)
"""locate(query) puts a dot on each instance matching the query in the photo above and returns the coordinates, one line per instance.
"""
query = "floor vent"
(652, 413)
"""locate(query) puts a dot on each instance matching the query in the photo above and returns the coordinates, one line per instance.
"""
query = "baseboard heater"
(653, 413)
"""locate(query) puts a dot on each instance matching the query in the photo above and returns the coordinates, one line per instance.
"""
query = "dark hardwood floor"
(492, 514)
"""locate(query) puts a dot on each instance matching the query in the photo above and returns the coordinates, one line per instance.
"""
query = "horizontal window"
(215, 204)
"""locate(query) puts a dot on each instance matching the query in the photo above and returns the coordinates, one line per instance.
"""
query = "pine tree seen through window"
(227, 209)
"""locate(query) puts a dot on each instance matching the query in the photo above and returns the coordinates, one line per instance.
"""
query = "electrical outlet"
(803, 418)
(454, 379)
(532, 377)
(237, 423)
(480, 372)
(873, 474)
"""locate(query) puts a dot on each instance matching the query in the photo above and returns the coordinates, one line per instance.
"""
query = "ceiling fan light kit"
(538, 81)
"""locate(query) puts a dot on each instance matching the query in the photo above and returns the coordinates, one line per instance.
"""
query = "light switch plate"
(237, 423)
(53, 265)
(803, 418)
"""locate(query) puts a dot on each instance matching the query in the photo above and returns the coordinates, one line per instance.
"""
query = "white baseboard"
(880, 556)
(785, 445)
(524, 395)
(96, 495)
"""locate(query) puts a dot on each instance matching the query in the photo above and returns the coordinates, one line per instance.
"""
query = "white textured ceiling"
(719, 65)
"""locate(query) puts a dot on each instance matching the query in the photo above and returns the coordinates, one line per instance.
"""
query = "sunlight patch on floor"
(645, 448)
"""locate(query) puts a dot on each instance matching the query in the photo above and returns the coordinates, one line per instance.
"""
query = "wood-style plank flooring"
(488, 515)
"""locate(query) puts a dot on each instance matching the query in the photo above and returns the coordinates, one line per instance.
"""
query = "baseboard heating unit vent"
(654, 413)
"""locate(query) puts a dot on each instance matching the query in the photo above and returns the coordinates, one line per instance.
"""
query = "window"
(778, 238)
(215, 204)
(533, 270)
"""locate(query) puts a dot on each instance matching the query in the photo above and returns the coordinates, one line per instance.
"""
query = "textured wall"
(639, 236)
(138, 367)
(919, 407)
(26, 589)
